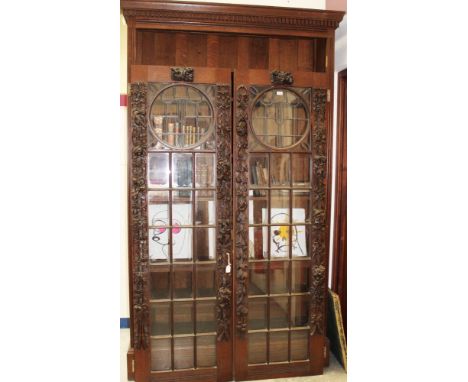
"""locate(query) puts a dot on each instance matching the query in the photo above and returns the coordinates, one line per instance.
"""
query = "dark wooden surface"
(242, 44)
(339, 270)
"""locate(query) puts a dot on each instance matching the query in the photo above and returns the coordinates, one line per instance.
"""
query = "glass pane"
(301, 170)
(205, 170)
(181, 116)
(258, 170)
(183, 317)
(300, 206)
(257, 279)
(181, 208)
(181, 170)
(160, 319)
(183, 353)
(161, 354)
(279, 206)
(280, 170)
(206, 351)
(205, 208)
(158, 210)
(300, 310)
(279, 279)
(300, 276)
(206, 319)
(258, 246)
(204, 243)
(299, 345)
(158, 243)
(278, 346)
(206, 280)
(257, 348)
(160, 283)
(182, 244)
(280, 118)
(183, 281)
(258, 313)
(279, 312)
(258, 207)
(158, 170)
(300, 240)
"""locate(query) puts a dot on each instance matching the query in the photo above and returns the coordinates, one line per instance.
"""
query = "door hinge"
(325, 352)
(326, 61)
(328, 95)
(133, 366)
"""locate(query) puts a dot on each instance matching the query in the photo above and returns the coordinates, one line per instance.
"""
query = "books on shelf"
(176, 134)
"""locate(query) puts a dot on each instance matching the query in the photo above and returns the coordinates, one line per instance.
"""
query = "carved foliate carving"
(279, 77)
(139, 219)
(241, 216)
(179, 73)
(319, 236)
(224, 210)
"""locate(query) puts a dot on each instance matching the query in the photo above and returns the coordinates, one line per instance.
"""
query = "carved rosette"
(180, 73)
(224, 209)
(279, 77)
(139, 219)
(241, 216)
(319, 148)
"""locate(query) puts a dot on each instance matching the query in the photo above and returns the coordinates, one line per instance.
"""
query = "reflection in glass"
(206, 280)
(258, 246)
(205, 170)
(257, 313)
(160, 319)
(301, 206)
(181, 208)
(205, 208)
(160, 283)
(258, 170)
(204, 243)
(278, 346)
(257, 348)
(183, 281)
(181, 170)
(279, 312)
(183, 317)
(280, 170)
(181, 244)
(161, 354)
(299, 345)
(300, 276)
(257, 279)
(258, 207)
(300, 240)
(183, 353)
(300, 310)
(158, 170)
(301, 170)
(206, 351)
(279, 276)
(206, 319)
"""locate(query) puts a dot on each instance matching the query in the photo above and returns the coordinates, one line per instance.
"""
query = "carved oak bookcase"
(229, 189)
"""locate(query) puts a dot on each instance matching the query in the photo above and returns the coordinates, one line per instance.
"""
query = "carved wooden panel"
(319, 169)
(139, 219)
(241, 215)
(279, 77)
(182, 74)
(224, 210)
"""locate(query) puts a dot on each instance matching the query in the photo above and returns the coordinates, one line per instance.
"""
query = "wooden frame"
(200, 35)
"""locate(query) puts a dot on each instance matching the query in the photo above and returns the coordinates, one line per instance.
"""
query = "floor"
(333, 373)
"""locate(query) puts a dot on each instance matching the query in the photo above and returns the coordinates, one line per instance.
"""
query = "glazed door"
(280, 166)
(181, 216)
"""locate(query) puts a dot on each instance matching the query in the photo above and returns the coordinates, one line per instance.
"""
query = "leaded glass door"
(280, 151)
(182, 222)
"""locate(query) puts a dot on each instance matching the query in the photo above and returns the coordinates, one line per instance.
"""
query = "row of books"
(176, 134)
(259, 174)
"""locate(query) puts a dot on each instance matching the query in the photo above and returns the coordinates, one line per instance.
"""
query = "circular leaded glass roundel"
(280, 118)
(181, 116)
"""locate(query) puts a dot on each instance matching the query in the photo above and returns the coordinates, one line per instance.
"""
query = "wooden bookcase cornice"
(230, 15)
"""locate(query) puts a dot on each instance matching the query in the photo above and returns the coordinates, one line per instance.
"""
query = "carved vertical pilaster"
(241, 214)
(319, 174)
(224, 209)
(139, 218)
